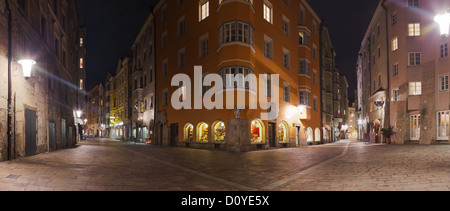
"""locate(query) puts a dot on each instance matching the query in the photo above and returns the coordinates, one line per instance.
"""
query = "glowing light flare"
(27, 66)
(444, 23)
(79, 113)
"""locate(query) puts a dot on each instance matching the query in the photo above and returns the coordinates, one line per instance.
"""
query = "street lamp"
(27, 66)
(444, 23)
(79, 112)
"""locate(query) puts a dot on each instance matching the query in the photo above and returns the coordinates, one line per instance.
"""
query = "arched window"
(309, 135)
(257, 132)
(219, 132)
(317, 135)
(188, 132)
(283, 132)
(202, 132)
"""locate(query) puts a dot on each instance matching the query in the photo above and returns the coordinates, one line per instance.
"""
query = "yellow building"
(118, 110)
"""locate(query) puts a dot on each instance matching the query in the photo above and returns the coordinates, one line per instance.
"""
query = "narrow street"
(105, 165)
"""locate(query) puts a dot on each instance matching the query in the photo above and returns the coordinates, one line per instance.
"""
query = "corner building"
(230, 37)
(403, 70)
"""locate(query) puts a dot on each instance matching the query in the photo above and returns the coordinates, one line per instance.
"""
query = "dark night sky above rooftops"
(112, 26)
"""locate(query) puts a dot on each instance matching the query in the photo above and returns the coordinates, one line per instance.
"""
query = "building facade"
(143, 82)
(118, 105)
(42, 116)
(237, 38)
(403, 73)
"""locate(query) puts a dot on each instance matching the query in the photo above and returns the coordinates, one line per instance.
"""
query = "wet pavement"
(105, 165)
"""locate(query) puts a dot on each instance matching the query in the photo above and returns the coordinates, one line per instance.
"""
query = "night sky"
(112, 26)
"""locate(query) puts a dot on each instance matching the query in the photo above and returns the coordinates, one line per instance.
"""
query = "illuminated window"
(219, 132)
(257, 132)
(81, 63)
(283, 132)
(395, 44)
(414, 29)
(267, 12)
(204, 10)
(309, 135)
(189, 132)
(81, 42)
(303, 38)
(202, 132)
(81, 84)
(415, 88)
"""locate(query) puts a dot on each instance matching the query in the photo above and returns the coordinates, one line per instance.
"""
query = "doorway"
(271, 133)
(174, 134)
(415, 127)
(30, 132)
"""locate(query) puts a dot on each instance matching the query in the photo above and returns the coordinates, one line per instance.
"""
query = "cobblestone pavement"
(104, 165)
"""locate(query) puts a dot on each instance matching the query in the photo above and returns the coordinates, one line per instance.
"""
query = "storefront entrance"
(415, 127)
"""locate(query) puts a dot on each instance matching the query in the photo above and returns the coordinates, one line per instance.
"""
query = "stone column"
(238, 138)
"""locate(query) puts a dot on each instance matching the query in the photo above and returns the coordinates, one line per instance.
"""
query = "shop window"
(202, 132)
(189, 132)
(283, 132)
(219, 132)
(317, 135)
(309, 135)
(257, 132)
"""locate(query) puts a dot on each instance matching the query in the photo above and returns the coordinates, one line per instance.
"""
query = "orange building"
(228, 37)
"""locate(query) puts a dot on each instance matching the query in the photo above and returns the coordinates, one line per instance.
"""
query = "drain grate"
(12, 176)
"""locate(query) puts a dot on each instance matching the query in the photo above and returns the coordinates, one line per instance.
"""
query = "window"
(283, 132)
(304, 98)
(315, 52)
(395, 44)
(202, 132)
(81, 84)
(268, 47)
(267, 12)
(443, 50)
(316, 104)
(394, 19)
(395, 96)
(236, 31)
(268, 87)
(413, 3)
(164, 40)
(239, 82)
(181, 58)
(414, 59)
(204, 10)
(315, 77)
(257, 132)
(415, 88)
(81, 63)
(165, 68)
(395, 70)
(164, 13)
(443, 83)
(414, 29)
(286, 93)
(286, 27)
(286, 58)
(304, 67)
(165, 97)
(203, 46)
(181, 26)
(303, 38)
(219, 132)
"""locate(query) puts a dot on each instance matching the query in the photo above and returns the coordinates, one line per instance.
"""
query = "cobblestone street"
(103, 165)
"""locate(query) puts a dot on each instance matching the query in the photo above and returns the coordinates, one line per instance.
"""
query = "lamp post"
(443, 20)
